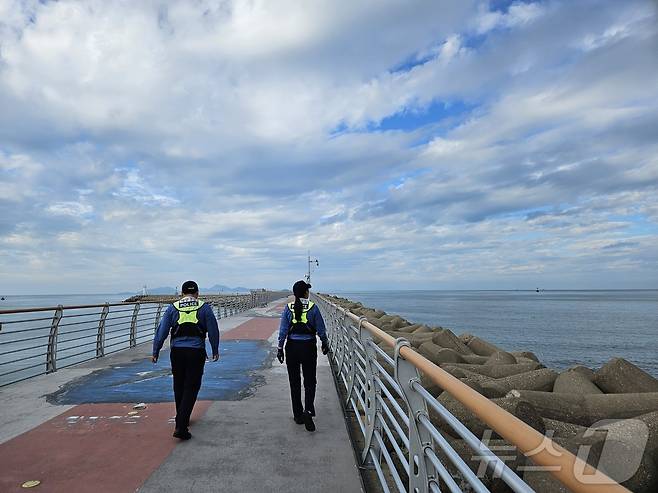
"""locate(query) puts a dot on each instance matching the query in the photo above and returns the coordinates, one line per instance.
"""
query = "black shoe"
(182, 434)
(308, 422)
(299, 420)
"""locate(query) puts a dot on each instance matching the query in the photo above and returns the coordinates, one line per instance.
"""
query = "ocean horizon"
(562, 327)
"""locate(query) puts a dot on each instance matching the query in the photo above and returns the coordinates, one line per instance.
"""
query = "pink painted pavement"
(98, 448)
(253, 329)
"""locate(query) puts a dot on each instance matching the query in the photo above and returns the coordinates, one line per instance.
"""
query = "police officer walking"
(301, 322)
(189, 320)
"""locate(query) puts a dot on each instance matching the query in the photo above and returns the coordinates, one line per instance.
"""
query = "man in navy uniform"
(189, 320)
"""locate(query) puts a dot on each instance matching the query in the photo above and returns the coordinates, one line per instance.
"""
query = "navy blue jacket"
(315, 320)
(207, 321)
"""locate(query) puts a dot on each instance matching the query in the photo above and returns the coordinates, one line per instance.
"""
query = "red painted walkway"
(92, 448)
(104, 448)
(254, 329)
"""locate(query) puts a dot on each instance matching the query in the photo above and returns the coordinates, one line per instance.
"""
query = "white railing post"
(350, 359)
(333, 341)
(340, 325)
(421, 470)
(51, 355)
(373, 408)
(133, 326)
(100, 336)
(158, 315)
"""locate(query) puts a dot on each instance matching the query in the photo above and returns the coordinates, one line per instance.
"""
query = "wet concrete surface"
(142, 381)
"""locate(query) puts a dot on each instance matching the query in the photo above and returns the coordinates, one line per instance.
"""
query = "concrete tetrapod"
(621, 376)
(475, 359)
(562, 429)
(587, 372)
(541, 379)
(574, 382)
(522, 410)
(586, 410)
(438, 355)
(496, 371)
(619, 449)
(424, 329)
(414, 339)
(408, 329)
(633, 430)
(525, 355)
(447, 339)
(501, 358)
(482, 347)
(465, 373)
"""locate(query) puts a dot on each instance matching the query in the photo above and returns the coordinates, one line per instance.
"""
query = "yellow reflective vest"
(301, 326)
(188, 321)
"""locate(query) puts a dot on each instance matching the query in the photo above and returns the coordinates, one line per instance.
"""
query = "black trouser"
(187, 367)
(304, 354)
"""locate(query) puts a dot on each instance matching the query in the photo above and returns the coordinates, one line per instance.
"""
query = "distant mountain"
(221, 288)
(161, 290)
(217, 288)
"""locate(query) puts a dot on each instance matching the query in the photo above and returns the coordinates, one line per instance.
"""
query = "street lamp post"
(309, 263)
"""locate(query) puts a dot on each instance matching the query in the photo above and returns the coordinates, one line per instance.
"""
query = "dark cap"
(299, 288)
(189, 287)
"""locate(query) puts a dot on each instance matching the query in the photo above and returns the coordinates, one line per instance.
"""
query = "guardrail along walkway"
(34, 341)
(403, 446)
(81, 428)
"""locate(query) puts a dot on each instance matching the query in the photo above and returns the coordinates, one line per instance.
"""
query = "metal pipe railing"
(99, 328)
(425, 444)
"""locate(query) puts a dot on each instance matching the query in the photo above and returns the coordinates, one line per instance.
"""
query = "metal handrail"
(130, 323)
(67, 307)
(423, 436)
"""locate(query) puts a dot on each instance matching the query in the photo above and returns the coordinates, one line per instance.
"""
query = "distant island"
(216, 289)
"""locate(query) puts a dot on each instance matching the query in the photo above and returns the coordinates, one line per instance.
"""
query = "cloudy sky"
(408, 144)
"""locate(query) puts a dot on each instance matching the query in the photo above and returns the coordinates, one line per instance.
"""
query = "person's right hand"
(280, 356)
(154, 359)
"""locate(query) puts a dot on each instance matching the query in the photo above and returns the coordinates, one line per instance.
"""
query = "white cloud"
(135, 188)
(250, 129)
(518, 14)
(70, 208)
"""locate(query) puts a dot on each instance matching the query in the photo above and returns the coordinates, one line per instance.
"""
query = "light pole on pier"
(309, 263)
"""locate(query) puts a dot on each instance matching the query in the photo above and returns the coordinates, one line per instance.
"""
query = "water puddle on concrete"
(233, 377)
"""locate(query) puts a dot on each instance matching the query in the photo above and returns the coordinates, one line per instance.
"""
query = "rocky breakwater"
(609, 415)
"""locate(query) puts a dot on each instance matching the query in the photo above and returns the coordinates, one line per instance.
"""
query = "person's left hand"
(215, 357)
(154, 359)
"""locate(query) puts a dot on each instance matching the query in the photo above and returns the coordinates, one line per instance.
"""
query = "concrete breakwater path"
(81, 429)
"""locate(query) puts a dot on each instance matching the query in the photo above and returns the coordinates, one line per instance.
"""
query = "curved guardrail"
(34, 341)
(400, 442)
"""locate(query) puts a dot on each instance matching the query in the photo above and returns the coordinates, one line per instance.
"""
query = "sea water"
(562, 328)
(24, 336)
